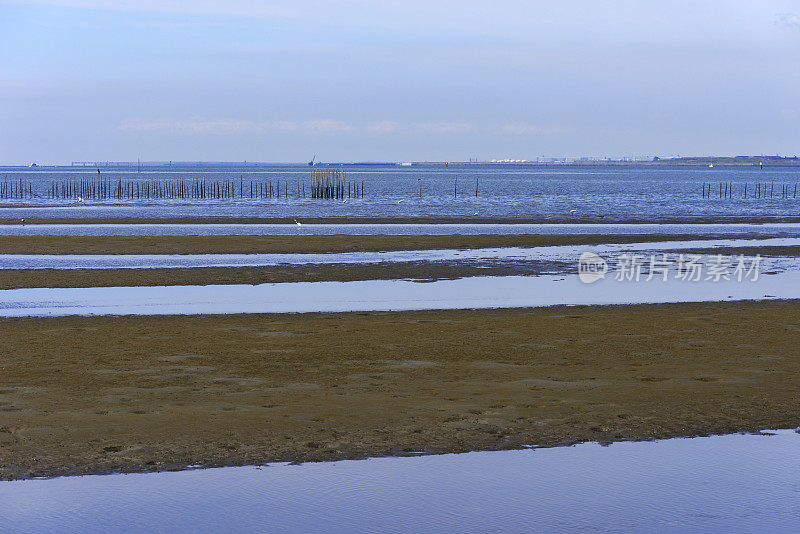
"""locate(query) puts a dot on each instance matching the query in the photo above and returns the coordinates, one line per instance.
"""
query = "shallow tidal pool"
(742, 483)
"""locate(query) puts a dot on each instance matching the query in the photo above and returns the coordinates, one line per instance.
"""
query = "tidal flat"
(83, 395)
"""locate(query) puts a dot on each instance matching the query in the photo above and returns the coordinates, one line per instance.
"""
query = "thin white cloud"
(325, 126)
(442, 127)
(521, 128)
(193, 125)
(448, 127)
(789, 113)
(384, 127)
(789, 19)
(198, 125)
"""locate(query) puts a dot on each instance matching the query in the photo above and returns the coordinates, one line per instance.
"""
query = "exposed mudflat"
(101, 394)
(22, 278)
(476, 219)
(297, 243)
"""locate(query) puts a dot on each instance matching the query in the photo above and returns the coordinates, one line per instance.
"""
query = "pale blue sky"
(412, 80)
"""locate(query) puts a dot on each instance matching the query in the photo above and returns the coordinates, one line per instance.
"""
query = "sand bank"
(92, 395)
(474, 219)
(202, 276)
(297, 243)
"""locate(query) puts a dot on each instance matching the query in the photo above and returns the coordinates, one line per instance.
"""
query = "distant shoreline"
(556, 161)
(736, 161)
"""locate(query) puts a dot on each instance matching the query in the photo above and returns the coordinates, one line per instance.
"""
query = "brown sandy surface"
(258, 220)
(21, 278)
(101, 394)
(294, 243)
(575, 218)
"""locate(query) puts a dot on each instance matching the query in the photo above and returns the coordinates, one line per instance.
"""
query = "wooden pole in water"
(476, 186)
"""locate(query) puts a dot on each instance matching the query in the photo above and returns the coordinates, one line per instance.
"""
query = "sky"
(359, 80)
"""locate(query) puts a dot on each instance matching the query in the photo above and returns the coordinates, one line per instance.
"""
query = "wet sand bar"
(88, 395)
(287, 244)
(26, 278)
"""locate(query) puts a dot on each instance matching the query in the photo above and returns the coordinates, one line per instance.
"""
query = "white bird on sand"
(297, 223)
(80, 200)
(23, 221)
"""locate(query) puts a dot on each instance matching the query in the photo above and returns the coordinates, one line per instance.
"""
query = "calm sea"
(555, 192)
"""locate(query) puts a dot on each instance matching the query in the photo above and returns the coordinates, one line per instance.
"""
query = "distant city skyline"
(82, 80)
(563, 159)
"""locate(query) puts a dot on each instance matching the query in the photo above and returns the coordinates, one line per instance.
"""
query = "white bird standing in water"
(297, 223)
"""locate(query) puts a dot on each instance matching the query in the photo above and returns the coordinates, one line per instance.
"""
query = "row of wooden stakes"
(333, 183)
(13, 189)
(324, 185)
(759, 190)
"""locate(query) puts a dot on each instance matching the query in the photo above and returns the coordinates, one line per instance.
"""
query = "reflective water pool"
(565, 253)
(741, 483)
(386, 295)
